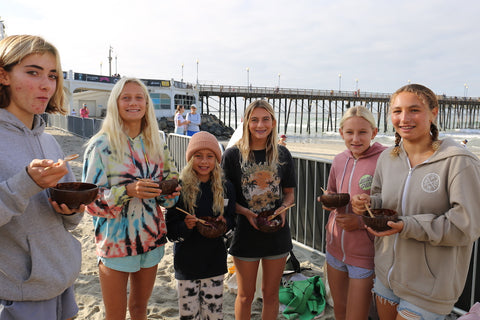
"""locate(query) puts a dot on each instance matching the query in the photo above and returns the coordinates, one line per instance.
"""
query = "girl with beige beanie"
(201, 262)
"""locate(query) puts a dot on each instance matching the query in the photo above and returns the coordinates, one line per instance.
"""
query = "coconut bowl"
(212, 228)
(168, 186)
(382, 216)
(268, 226)
(74, 194)
(335, 200)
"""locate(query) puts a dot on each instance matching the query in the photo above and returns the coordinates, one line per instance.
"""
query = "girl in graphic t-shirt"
(262, 172)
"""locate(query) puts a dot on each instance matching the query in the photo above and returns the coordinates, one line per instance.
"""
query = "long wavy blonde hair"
(271, 145)
(191, 187)
(116, 132)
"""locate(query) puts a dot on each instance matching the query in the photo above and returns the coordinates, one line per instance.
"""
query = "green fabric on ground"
(304, 299)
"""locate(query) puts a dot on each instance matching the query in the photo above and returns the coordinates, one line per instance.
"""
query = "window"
(184, 100)
(161, 101)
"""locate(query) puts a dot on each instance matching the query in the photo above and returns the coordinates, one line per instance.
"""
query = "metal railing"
(307, 219)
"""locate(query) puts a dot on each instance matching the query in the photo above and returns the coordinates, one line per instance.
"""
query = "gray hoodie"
(39, 258)
(426, 263)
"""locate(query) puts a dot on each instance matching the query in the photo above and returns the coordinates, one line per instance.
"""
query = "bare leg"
(385, 309)
(141, 286)
(359, 298)
(246, 273)
(338, 281)
(272, 274)
(114, 292)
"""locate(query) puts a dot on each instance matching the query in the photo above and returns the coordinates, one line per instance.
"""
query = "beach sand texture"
(163, 302)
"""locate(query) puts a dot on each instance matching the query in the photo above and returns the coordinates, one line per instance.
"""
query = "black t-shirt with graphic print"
(259, 188)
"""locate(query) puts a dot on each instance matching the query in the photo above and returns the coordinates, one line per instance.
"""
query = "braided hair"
(429, 99)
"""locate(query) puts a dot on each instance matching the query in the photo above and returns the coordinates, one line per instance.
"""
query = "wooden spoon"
(198, 219)
(276, 214)
(369, 211)
(67, 158)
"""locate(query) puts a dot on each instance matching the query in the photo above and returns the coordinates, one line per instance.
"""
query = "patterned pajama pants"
(201, 299)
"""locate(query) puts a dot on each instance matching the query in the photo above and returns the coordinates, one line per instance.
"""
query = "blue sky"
(381, 43)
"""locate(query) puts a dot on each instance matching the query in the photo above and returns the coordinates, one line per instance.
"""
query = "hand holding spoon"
(67, 158)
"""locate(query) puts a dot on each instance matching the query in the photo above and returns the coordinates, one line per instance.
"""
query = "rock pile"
(210, 123)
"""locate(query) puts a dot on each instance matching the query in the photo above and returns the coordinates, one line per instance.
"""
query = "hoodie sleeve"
(111, 198)
(15, 195)
(176, 228)
(460, 224)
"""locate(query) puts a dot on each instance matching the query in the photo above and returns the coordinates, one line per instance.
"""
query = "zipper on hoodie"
(348, 189)
(405, 188)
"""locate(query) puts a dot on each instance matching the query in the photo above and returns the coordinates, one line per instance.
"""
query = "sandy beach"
(163, 302)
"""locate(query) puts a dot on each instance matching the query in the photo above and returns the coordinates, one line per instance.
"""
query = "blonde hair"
(191, 187)
(116, 132)
(271, 145)
(359, 111)
(13, 50)
(430, 100)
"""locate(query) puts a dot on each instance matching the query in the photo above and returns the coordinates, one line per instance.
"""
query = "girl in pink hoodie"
(350, 249)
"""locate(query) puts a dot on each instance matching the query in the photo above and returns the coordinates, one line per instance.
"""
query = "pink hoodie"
(353, 176)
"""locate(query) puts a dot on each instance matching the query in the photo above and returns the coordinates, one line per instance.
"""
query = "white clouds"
(309, 42)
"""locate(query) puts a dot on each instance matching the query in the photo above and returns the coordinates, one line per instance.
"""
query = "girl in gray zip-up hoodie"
(421, 264)
(39, 258)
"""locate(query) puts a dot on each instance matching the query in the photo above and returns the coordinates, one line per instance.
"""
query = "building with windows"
(94, 91)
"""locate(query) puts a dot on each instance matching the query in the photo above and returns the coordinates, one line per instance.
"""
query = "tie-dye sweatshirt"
(124, 225)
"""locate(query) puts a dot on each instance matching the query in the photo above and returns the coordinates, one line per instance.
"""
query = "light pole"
(182, 72)
(465, 90)
(279, 81)
(110, 61)
(248, 77)
(339, 82)
(101, 63)
(116, 66)
(197, 72)
(356, 84)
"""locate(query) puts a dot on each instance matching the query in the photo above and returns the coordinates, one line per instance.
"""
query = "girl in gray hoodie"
(39, 258)
(421, 263)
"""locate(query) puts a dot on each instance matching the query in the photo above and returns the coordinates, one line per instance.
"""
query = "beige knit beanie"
(203, 140)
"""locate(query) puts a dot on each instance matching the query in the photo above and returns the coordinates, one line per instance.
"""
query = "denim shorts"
(134, 263)
(353, 272)
(60, 307)
(278, 256)
(404, 308)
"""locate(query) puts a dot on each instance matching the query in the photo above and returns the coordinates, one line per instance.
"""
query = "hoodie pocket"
(55, 259)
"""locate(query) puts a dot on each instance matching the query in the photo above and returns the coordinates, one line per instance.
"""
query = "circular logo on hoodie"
(365, 182)
(431, 182)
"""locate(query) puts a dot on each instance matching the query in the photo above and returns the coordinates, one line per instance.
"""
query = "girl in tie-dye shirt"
(125, 159)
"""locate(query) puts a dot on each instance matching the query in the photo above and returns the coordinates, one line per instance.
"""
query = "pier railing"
(307, 219)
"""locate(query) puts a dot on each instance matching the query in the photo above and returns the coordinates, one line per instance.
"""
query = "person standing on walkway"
(195, 121)
(350, 250)
(200, 262)
(39, 258)
(84, 112)
(179, 120)
(126, 159)
(263, 174)
(422, 262)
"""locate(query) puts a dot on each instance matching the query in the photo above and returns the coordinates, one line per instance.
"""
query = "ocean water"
(472, 135)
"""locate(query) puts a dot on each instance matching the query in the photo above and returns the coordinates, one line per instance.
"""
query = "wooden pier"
(317, 111)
